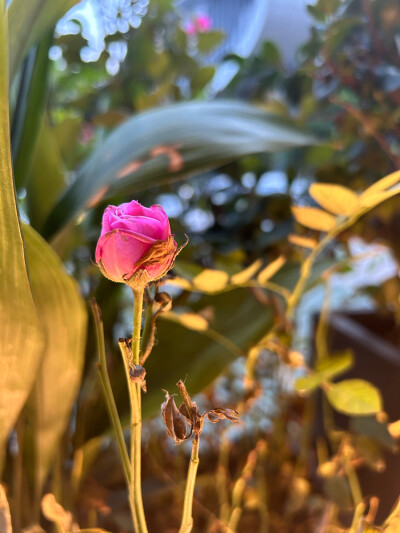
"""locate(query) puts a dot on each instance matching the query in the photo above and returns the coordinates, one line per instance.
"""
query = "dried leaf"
(5, 516)
(217, 414)
(174, 420)
(158, 253)
(137, 374)
(54, 512)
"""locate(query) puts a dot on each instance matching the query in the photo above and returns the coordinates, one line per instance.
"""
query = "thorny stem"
(187, 518)
(135, 492)
(107, 390)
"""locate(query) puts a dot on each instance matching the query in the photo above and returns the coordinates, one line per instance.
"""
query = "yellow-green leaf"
(314, 218)
(270, 270)
(210, 281)
(20, 332)
(247, 273)
(325, 369)
(64, 318)
(337, 199)
(354, 397)
(374, 199)
(300, 240)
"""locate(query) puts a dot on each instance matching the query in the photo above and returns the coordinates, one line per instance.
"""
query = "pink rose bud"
(135, 245)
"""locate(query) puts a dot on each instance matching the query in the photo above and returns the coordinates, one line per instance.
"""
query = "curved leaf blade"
(28, 22)
(21, 336)
(64, 318)
(169, 143)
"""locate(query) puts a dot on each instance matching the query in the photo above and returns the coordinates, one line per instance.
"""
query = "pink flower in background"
(134, 239)
(203, 23)
(199, 24)
(190, 28)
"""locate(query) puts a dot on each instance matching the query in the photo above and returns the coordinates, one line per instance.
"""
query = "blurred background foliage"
(142, 117)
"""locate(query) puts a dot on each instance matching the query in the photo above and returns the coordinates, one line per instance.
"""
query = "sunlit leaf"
(383, 184)
(314, 218)
(172, 142)
(189, 320)
(64, 318)
(247, 273)
(21, 336)
(304, 242)
(354, 397)
(210, 281)
(374, 199)
(270, 270)
(337, 199)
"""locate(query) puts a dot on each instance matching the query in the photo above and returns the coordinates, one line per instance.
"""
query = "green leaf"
(29, 109)
(21, 336)
(64, 318)
(181, 352)
(325, 370)
(206, 42)
(47, 176)
(28, 22)
(157, 146)
(354, 397)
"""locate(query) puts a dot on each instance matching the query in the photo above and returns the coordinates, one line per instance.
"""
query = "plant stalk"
(187, 518)
(108, 393)
(135, 490)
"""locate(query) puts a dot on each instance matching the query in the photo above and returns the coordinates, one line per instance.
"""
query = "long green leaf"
(64, 318)
(21, 337)
(29, 110)
(28, 22)
(170, 143)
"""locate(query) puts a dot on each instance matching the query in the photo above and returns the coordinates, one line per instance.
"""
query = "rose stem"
(135, 492)
(187, 519)
(107, 390)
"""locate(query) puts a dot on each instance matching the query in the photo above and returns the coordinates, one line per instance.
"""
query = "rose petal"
(119, 251)
(105, 224)
(140, 224)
